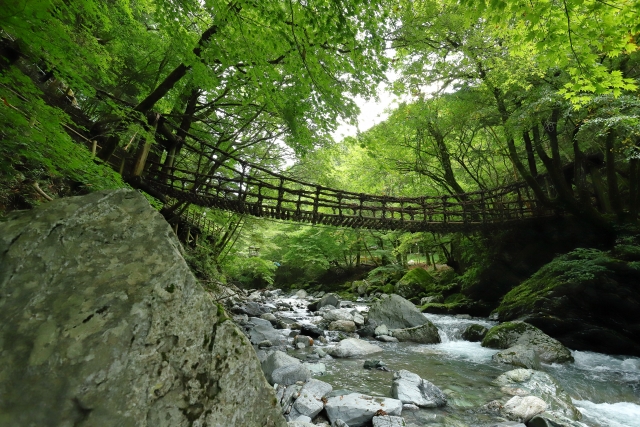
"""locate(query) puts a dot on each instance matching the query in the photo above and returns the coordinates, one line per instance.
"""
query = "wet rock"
(396, 312)
(342, 326)
(381, 330)
(474, 333)
(520, 356)
(523, 408)
(547, 419)
(369, 329)
(353, 347)
(375, 364)
(301, 294)
(544, 386)
(290, 374)
(262, 332)
(257, 321)
(270, 317)
(358, 319)
(338, 314)
(102, 323)
(358, 410)
(265, 344)
(425, 334)
(275, 360)
(304, 340)
(329, 300)
(388, 421)
(508, 334)
(300, 424)
(410, 388)
(252, 309)
(339, 423)
(309, 402)
(310, 330)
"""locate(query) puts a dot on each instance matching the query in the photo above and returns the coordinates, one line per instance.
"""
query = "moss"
(575, 269)
(455, 299)
(388, 288)
(501, 336)
(417, 276)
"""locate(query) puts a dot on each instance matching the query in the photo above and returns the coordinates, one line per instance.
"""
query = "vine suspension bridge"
(232, 184)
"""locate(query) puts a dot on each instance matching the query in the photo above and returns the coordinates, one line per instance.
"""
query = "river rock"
(301, 294)
(339, 423)
(358, 319)
(381, 330)
(388, 421)
(523, 408)
(353, 347)
(396, 312)
(358, 410)
(290, 374)
(310, 330)
(544, 386)
(303, 339)
(329, 300)
(547, 419)
(297, 423)
(425, 334)
(270, 317)
(520, 356)
(342, 326)
(275, 360)
(410, 388)
(508, 334)
(103, 324)
(252, 309)
(368, 330)
(338, 314)
(386, 338)
(474, 333)
(309, 402)
(266, 332)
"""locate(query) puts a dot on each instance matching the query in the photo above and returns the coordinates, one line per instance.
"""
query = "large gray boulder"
(103, 324)
(410, 388)
(542, 385)
(396, 312)
(276, 360)
(508, 334)
(353, 347)
(425, 334)
(358, 410)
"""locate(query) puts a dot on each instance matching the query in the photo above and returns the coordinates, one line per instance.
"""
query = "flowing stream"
(606, 389)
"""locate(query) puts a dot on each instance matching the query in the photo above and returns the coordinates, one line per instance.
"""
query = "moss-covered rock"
(414, 283)
(509, 334)
(588, 299)
(474, 333)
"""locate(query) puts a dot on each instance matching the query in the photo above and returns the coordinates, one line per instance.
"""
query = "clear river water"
(605, 388)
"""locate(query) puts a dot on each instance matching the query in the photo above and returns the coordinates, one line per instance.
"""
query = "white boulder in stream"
(358, 410)
(541, 385)
(388, 421)
(353, 347)
(103, 324)
(396, 312)
(338, 314)
(523, 408)
(410, 388)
